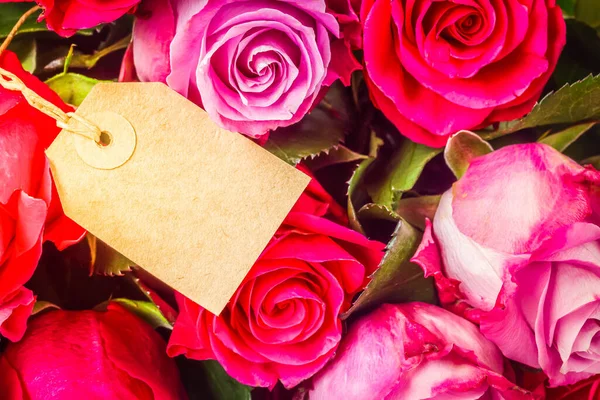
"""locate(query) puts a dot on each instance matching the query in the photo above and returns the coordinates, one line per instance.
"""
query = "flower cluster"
(465, 263)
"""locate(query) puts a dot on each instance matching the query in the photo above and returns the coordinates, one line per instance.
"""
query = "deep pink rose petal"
(151, 41)
(446, 377)
(311, 248)
(260, 374)
(79, 345)
(186, 338)
(10, 381)
(133, 357)
(556, 41)
(29, 215)
(14, 312)
(81, 16)
(342, 63)
(402, 89)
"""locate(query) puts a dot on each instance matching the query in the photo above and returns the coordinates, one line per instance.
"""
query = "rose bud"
(283, 323)
(414, 351)
(252, 65)
(109, 354)
(515, 245)
(30, 211)
(437, 67)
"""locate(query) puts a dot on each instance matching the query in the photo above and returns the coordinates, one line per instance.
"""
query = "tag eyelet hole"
(105, 139)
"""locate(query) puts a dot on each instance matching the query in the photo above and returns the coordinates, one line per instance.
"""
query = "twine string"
(10, 81)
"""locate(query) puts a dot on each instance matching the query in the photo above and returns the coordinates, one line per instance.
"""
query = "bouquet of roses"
(447, 245)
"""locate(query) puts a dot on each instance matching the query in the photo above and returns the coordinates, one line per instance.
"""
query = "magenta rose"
(415, 351)
(515, 246)
(437, 67)
(108, 354)
(30, 211)
(253, 65)
(283, 323)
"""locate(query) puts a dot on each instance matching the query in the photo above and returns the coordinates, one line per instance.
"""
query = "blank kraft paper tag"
(188, 201)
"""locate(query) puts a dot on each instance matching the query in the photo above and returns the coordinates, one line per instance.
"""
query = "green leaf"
(68, 59)
(147, 284)
(568, 7)
(462, 148)
(397, 279)
(377, 211)
(72, 87)
(40, 306)
(77, 59)
(593, 161)
(147, 311)
(414, 210)
(570, 104)
(105, 260)
(26, 51)
(337, 155)
(401, 173)
(10, 14)
(222, 386)
(322, 129)
(588, 12)
(353, 184)
(563, 139)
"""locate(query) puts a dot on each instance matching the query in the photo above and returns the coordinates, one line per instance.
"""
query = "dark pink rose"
(30, 210)
(436, 67)
(253, 65)
(515, 246)
(92, 355)
(283, 321)
(415, 351)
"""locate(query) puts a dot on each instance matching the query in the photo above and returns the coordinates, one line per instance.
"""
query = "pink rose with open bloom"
(415, 351)
(253, 65)
(515, 245)
(437, 67)
(66, 17)
(283, 321)
(109, 354)
(30, 210)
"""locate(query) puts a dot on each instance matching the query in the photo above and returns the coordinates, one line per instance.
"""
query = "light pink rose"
(515, 245)
(252, 65)
(415, 351)
(436, 67)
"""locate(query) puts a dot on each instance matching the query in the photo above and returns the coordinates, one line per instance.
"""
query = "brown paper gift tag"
(191, 203)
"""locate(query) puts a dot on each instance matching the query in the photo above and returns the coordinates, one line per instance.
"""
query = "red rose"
(584, 390)
(283, 322)
(91, 355)
(436, 67)
(66, 17)
(30, 211)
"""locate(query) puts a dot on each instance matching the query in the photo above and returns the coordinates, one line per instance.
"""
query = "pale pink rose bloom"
(415, 351)
(515, 246)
